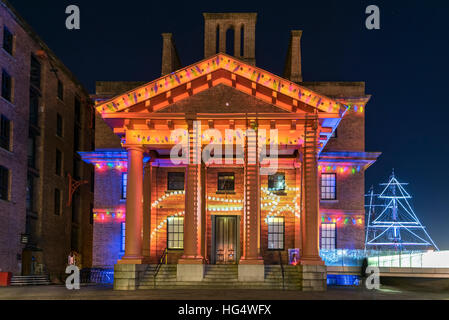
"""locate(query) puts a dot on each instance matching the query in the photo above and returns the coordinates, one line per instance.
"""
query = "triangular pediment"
(264, 87)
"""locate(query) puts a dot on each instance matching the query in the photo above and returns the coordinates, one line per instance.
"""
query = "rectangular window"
(5, 133)
(328, 186)
(328, 236)
(8, 40)
(76, 138)
(276, 233)
(226, 181)
(57, 202)
(60, 90)
(124, 184)
(276, 182)
(32, 151)
(59, 125)
(4, 183)
(122, 236)
(35, 72)
(77, 110)
(34, 107)
(175, 181)
(58, 167)
(175, 233)
(6, 86)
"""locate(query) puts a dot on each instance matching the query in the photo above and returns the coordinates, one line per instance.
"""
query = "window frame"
(177, 218)
(334, 238)
(277, 248)
(328, 192)
(226, 174)
(175, 173)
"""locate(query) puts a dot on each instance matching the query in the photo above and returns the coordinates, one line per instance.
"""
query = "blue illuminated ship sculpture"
(391, 222)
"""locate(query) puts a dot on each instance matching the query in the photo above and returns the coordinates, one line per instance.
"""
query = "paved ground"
(104, 292)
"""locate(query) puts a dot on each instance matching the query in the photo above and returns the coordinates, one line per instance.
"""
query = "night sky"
(405, 65)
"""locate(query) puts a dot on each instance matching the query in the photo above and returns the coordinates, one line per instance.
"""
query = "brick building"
(231, 211)
(46, 118)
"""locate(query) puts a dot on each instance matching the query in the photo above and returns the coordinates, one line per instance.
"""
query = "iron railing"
(282, 269)
(162, 260)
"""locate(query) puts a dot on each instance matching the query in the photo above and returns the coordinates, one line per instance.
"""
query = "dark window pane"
(276, 182)
(328, 186)
(4, 183)
(276, 233)
(35, 73)
(32, 151)
(6, 86)
(226, 182)
(77, 110)
(59, 125)
(175, 181)
(60, 90)
(34, 107)
(5, 133)
(8, 40)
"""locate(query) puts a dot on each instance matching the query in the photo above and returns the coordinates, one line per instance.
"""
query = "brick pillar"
(310, 216)
(251, 248)
(134, 208)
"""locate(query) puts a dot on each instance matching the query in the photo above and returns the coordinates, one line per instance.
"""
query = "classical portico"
(187, 102)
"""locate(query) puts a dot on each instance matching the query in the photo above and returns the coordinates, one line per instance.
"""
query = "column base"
(131, 260)
(127, 276)
(313, 277)
(251, 270)
(191, 270)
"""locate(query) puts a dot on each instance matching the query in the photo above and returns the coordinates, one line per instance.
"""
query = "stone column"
(129, 270)
(191, 265)
(251, 266)
(134, 207)
(312, 267)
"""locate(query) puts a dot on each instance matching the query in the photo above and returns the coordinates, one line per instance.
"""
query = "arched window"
(217, 37)
(230, 34)
(242, 41)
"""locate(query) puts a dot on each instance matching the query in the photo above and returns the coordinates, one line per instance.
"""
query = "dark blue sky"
(405, 65)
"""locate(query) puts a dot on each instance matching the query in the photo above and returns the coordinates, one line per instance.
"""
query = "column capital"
(134, 148)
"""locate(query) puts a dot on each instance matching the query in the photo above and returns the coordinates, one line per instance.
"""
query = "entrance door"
(226, 249)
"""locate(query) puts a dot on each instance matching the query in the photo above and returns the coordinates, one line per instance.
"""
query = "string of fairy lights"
(270, 203)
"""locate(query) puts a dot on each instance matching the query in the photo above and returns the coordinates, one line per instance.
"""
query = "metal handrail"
(282, 269)
(163, 258)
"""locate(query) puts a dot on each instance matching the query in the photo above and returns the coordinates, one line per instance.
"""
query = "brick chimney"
(170, 58)
(293, 69)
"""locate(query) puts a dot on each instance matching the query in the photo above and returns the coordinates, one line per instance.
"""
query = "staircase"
(30, 280)
(222, 277)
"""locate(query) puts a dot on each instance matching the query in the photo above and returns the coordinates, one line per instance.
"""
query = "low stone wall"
(127, 276)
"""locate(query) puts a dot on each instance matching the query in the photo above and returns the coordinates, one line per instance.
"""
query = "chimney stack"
(170, 58)
(293, 69)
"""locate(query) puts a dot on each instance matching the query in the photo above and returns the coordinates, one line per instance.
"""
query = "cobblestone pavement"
(105, 292)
